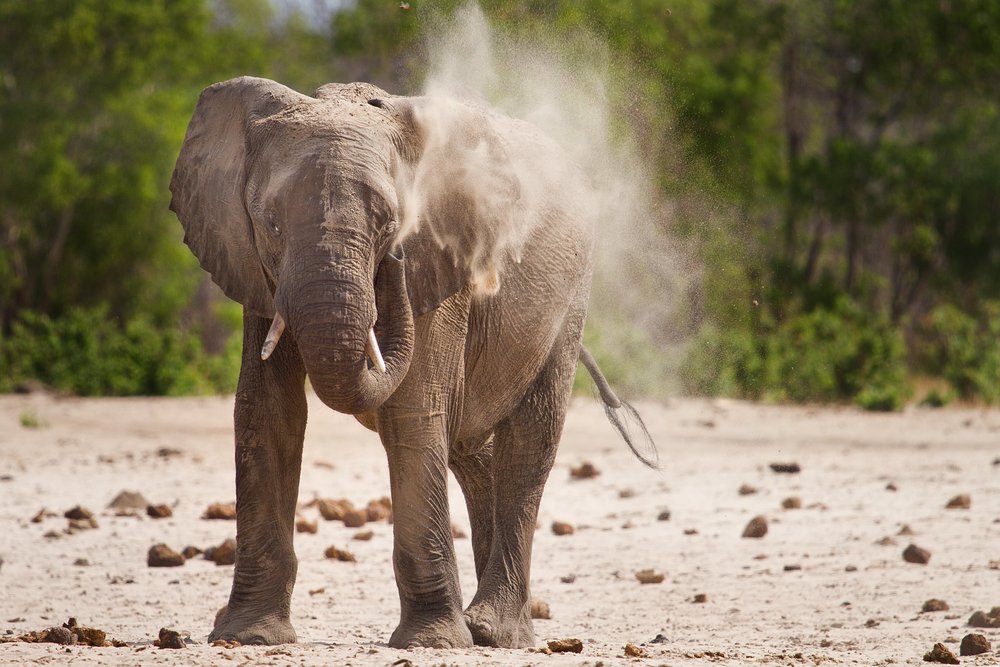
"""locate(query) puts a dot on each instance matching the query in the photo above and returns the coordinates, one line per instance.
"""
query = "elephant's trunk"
(330, 306)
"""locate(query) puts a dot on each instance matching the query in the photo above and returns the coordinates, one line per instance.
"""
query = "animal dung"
(220, 512)
(756, 528)
(540, 609)
(934, 605)
(159, 511)
(303, 525)
(128, 500)
(342, 555)
(914, 554)
(160, 555)
(633, 651)
(78, 513)
(457, 533)
(222, 554)
(649, 576)
(786, 468)
(747, 490)
(941, 654)
(699, 598)
(334, 510)
(985, 619)
(974, 644)
(585, 470)
(363, 535)
(664, 515)
(960, 502)
(379, 510)
(169, 639)
(562, 528)
(565, 645)
(190, 552)
(355, 518)
(792, 503)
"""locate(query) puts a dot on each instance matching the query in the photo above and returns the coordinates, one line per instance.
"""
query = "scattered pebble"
(540, 609)
(906, 530)
(81, 562)
(792, 503)
(160, 555)
(757, 528)
(58, 636)
(159, 511)
(962, 501)
(169, 639)
(627, 493)
(914, 554)
(379, 510)
(786, 468)
(355, 518)
(317, 591)
(660, 638)
(891, 486)
(340, 554)
(222, 554)
(128, 500)
(567, 578)
(562, 528)
(974, 644)
(649, 576)
(304, 525)
(851, 568)
(363, 535)
(78, 513)
(585, 470)
(664, 515)
(699, 598)
(565, 646)
(747, 490)
(940, 653)
(985, 619)
(42, 515)
(792, 568)
(190, 552)
(690, 531)
(934, 605)
(633, 651)
(334, 510)
(220, 511)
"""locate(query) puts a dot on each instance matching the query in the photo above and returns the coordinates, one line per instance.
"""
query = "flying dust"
(642, 276)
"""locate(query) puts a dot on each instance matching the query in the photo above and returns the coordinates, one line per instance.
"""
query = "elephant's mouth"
(372, 350)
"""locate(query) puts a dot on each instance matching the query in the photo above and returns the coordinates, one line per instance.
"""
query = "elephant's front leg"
(270, 421)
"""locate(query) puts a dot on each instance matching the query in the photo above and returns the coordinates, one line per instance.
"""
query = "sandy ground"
(851, 599)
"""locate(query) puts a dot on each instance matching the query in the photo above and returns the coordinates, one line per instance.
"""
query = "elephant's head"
(294, 205)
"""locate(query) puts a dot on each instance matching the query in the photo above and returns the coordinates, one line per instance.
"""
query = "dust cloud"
(642, 276)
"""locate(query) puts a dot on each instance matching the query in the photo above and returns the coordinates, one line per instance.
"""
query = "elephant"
(426, 263)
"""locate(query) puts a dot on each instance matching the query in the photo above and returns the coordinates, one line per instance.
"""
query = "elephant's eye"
(271, 222)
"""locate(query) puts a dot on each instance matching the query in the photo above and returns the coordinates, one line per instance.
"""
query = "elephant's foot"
(493, 625)
(252, 628)
(450, 632)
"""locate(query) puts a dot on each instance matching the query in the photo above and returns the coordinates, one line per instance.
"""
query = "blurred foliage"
(836, 162)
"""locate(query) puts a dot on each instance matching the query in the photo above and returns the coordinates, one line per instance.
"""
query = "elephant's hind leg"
(270, 420)
(524, 450)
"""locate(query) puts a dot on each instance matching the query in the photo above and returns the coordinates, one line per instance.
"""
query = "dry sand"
(86, 451)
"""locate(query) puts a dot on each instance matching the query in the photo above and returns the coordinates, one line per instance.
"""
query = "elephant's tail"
(622, 416)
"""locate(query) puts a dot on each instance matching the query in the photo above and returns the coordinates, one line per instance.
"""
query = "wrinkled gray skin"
(290, 203)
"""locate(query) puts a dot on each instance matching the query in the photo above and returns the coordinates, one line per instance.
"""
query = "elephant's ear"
(460, 194)
(209, 181)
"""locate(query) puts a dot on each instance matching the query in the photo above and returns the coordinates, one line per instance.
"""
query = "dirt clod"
(974, 644)
(457, 533)
(756, 528)
(963, 501)
(786, 468)
(42, 515)
(355, 518)
(565, 646)
(914, 554)
(562, 528)
(649, 576)
(222, 554)
(664, 515)
(540, 609)
(934, 605)
(81, 562)
(342, 555)
(792, 503)
(585, 470)
(363, 535)
(633, 651)
(334, 510)
(159, 511)
(220, 512)
(190, 552)
(985, 619)
(128, 500)
(906, 530)
(379, 510)
(747, 490)
(700, 598)
(78, 512)
(304, 525)
(160, 555)
(941, 654)
(169, 639)
(58, 636)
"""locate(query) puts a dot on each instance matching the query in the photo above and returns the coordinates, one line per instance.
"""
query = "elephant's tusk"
(273, 336)
(375, 354)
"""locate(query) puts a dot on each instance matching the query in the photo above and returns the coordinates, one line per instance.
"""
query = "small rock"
(973, 644)
(128, 500)
(565, 646)
(304, 525)
(792, 568)
(379, 510)
(317, 591)
(334, 510)
(457, 533)
(934, 605)
(664, 515)
(78, 513)
(906, 530)
(159, 511)
(568, 578)
(757, 528)
(220, 512)
(786, 468)
(633, 651)
(960, 502)
(851, 568)
(41, 515)
(914, 554)
(81, 562)
(700, 598)
(649, 576)
(58, 636)
(886, 542)
(562, 528)
(585, 470)
(363, 535)
(222, 554)
(76, 525)
(626, 493)
(340, 554)
(891, 487)
(792, 503)
(747, 490)
(982, 619)
(169, 639)
(355, 518)
(540, 609)
(160, 555)
(941, 654)
(660, 638)
(190, 552)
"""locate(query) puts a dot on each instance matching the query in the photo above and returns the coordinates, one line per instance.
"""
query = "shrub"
(965, 350)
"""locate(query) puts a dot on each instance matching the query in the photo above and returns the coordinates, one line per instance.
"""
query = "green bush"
(965, 350)
(831, 353)
(88, 353)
